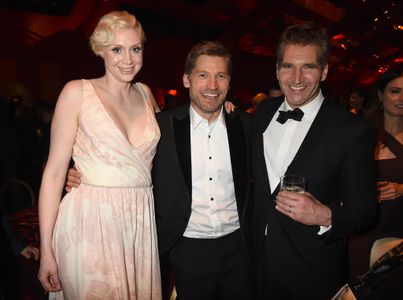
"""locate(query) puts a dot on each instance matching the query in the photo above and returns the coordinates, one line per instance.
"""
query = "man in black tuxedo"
(299, 238)
(201, 183)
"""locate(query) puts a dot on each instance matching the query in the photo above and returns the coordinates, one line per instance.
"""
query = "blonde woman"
(99, 241)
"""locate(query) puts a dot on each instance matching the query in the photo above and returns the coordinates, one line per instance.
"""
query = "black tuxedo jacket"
(336, 158)
(172, 174)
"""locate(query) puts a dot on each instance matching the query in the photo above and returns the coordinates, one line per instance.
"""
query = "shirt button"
(211, 178)
(212, 199)
(209, 157)
(209, 136)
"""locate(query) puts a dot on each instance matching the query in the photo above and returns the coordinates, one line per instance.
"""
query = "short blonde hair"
(103, 34)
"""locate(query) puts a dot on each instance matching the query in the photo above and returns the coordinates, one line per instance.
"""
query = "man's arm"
(73, 179)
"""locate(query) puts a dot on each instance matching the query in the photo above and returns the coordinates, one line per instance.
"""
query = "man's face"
(300, 74)
(208, 85)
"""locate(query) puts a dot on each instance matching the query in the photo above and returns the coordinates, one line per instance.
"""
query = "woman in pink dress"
(99, 241)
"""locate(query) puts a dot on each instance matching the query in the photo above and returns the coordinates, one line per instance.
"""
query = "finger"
(55, 281)
(45, 284)
(286, 210)
(36, 253)
(383, 188)
(74, 172)
(73, 180)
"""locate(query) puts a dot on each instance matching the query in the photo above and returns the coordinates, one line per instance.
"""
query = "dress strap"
(393, 145)
(140, 87)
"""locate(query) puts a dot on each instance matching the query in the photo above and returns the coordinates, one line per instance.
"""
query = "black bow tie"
(295, 114)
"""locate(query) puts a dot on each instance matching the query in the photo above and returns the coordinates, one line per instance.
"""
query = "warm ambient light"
(338, 37)
(172, 92)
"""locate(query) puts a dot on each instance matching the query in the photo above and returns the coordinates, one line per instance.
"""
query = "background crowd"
(27, 132)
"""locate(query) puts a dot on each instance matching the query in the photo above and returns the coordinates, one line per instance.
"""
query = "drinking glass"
(293, 183)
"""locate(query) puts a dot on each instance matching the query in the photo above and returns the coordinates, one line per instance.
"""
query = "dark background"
(45, 42)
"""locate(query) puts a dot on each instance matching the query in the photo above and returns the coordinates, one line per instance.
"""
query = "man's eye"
(202, 75)
(222, 76)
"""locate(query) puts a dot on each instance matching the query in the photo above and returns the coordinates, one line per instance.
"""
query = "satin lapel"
(310, 142)
(264, 116)
(181, 125)
(239, 156)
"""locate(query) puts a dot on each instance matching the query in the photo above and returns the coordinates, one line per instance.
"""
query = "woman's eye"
(116, 50)
(137, 49)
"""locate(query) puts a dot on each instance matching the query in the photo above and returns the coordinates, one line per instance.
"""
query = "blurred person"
(169, 101)
(274, 91)
(255, 101)
(385, 111)
(10, 151)
(100, 241)
(358, 101)
(298, 238)
(12, 246)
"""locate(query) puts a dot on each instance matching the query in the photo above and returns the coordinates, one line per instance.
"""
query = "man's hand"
(73, 179)
(30, 252)
(303, 208)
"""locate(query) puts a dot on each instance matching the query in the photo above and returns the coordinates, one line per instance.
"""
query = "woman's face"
(392, 97)
(123, 58)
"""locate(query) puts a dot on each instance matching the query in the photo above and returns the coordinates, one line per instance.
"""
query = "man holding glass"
(298, 237)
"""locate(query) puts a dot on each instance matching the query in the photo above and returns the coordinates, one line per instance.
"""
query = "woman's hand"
(47, 274)
(389, 190)
(229, 106)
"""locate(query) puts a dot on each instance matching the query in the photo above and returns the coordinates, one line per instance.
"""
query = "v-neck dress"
(105, 239)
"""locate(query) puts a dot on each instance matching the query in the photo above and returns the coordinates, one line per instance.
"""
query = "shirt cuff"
(323, 229)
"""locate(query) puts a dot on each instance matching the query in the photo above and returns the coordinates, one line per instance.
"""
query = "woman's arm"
(389, 190)
(63, 132)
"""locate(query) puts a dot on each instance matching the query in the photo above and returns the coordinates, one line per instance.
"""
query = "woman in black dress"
(386, 112)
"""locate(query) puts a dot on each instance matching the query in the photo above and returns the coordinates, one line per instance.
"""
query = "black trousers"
(212, 269)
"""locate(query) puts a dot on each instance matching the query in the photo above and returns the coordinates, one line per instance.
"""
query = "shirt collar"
(196, 119)
(310, 109)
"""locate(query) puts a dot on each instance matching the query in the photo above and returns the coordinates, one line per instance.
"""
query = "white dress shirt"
(282, 141)
(214, 209)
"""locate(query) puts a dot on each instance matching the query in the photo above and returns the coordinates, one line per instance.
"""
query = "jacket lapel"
(238, 155)
(181, 126)
(310, 141)
(264, 118)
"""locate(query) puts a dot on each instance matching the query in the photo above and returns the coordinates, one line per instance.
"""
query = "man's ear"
(324, 73)
(186, 80)
(277, 70)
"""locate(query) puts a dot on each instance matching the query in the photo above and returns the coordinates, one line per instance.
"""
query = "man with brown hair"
(299, 237)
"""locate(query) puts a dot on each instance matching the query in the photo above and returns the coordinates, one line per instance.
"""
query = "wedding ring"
(289, 209)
